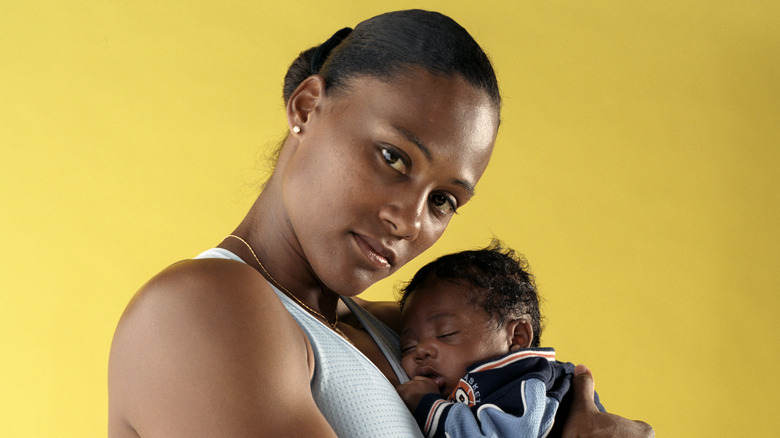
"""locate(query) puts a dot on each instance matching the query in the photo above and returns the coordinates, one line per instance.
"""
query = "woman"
(391, 127)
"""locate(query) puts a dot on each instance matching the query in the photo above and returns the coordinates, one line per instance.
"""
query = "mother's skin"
(368, 183)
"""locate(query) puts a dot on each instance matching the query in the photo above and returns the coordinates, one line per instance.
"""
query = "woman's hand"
(585, 420)
(413, 391)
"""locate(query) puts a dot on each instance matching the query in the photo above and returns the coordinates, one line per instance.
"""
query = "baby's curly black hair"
(503, 285)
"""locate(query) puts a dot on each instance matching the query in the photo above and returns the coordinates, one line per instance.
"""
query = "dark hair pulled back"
(388, 44)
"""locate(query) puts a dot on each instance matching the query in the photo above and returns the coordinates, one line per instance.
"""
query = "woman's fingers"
(585, 419)
(583, 388)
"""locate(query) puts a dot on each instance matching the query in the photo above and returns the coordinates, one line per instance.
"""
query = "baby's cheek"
(406, 364)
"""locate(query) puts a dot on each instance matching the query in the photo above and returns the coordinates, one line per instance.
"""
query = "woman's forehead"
(438, 114)
(439, 96)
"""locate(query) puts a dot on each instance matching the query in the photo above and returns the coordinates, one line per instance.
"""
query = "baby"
(470, 327)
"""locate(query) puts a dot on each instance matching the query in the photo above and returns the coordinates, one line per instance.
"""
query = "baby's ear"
(521, 332)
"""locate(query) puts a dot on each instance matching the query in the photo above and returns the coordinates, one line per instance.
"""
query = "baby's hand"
(412, 391)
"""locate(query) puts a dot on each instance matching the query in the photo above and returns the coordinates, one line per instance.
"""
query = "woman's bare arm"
(207, 349)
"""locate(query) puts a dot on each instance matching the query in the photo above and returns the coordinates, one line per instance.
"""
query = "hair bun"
(322, 52)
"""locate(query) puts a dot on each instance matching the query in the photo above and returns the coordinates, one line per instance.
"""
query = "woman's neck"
(268, 244)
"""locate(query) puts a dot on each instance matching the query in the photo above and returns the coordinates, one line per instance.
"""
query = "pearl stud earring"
(296, 129)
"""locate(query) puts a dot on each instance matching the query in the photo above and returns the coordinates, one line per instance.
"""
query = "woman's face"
(379, 170)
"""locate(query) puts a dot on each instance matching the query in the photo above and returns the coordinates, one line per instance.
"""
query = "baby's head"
(464, 308)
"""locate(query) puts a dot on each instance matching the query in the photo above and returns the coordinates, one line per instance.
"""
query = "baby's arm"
(438, 417)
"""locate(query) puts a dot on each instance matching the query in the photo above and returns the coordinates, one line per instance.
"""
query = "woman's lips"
(374, 252)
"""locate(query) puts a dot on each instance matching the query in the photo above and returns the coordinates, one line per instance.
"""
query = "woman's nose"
(404, 216)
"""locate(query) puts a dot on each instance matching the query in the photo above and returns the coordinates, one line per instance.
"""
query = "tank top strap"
(383, 336)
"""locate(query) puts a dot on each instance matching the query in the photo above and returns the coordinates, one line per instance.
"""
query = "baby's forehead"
(447, 287)
(452, 287)
(457, 295)
(430, 320)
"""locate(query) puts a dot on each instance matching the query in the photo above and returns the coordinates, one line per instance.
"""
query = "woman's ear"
(521, 332)
(303, 101)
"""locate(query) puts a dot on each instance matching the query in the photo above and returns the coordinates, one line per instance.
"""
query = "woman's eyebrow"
(469, 187)
(410, 137)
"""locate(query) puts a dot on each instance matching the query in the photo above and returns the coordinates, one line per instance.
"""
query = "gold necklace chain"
(333, 325)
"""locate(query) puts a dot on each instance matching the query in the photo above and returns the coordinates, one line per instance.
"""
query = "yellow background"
(636, 167)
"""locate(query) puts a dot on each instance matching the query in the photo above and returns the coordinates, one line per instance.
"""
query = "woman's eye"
(444, 204)
(394, 160)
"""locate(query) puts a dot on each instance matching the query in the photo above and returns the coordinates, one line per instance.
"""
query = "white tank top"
(350, 391)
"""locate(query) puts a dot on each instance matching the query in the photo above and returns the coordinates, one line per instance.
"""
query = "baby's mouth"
(433, 375)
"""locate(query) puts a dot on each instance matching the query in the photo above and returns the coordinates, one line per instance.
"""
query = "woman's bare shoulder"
(202, 292)
(190, 282)
(200, 351)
